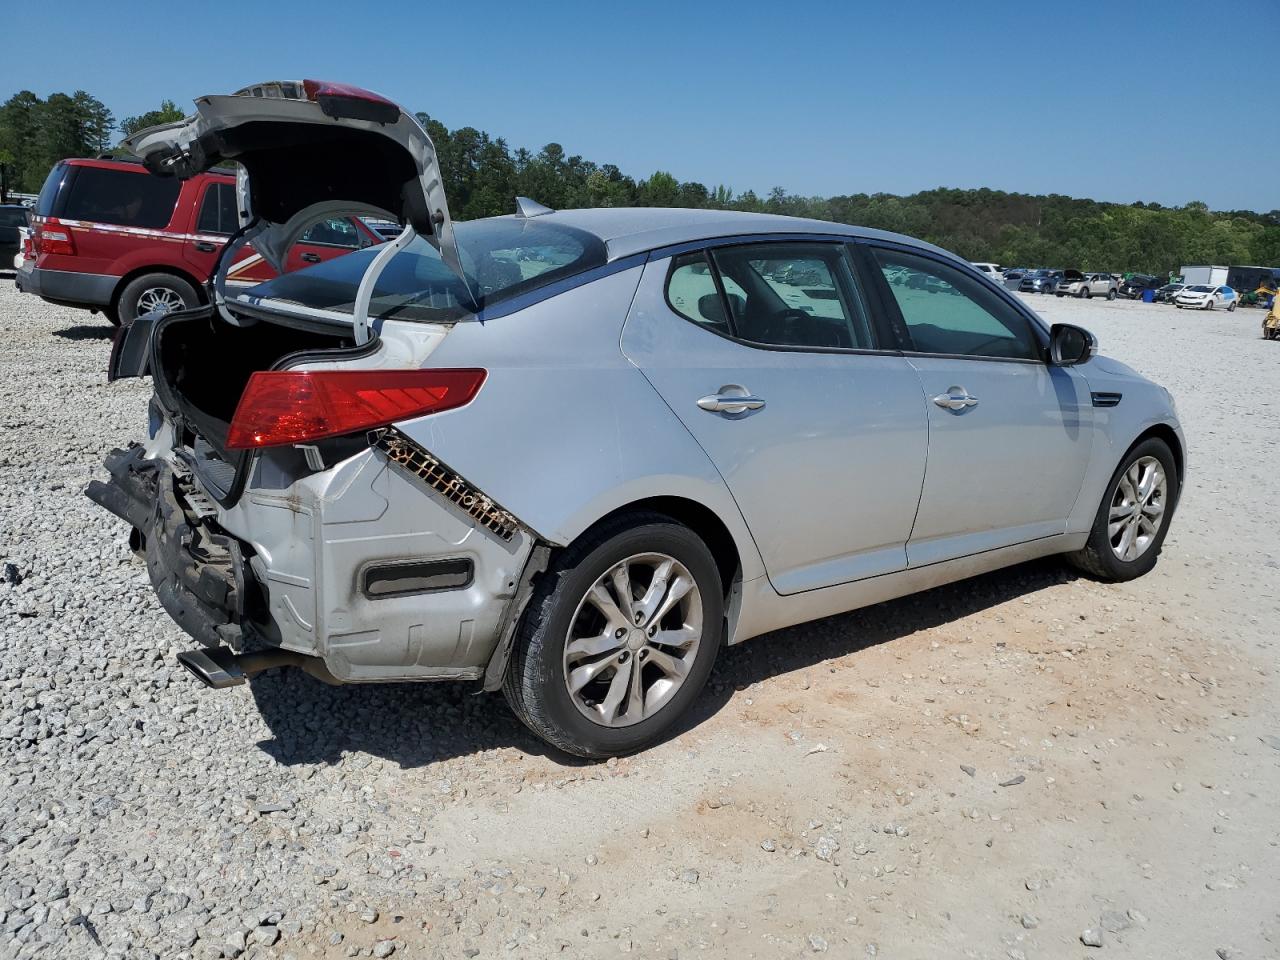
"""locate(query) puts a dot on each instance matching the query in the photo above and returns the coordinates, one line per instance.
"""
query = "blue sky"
(1118, 101)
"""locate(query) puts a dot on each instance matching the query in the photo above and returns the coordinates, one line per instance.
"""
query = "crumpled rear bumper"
(198, 571)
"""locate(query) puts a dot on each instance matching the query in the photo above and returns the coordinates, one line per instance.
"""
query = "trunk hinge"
(364, 293)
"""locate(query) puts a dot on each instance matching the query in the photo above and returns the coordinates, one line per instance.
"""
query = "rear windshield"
(49, 192)
(13, 217)
(103, 195)
(502, 257)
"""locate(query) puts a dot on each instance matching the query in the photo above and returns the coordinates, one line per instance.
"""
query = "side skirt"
(765, 610)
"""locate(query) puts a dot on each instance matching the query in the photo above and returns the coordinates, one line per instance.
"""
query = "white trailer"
(1209, 276)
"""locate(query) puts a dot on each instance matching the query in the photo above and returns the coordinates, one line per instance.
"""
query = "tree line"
(483, 175)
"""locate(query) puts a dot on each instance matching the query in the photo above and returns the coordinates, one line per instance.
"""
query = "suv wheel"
(155, 291)
(1111, 294)
(1134, 515)
(619, 637)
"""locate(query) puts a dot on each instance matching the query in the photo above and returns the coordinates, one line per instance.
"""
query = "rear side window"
(122, 197)
(333, 232)
(218, 210)
(776, 294)
(692, 293)
(949, 312)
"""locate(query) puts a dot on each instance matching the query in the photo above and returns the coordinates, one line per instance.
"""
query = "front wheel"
(1133, 518)
(619, 637)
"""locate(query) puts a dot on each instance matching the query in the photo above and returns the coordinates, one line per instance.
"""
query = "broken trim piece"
(407, 455)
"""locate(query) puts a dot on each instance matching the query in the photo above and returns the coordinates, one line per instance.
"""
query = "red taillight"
(54, 238)
(279, 407)
(348, 102)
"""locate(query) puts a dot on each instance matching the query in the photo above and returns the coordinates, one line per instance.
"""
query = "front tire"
(155, 291)
(619, 637)
(1133, 518)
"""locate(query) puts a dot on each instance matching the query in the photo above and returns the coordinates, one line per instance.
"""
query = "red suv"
(109, 236)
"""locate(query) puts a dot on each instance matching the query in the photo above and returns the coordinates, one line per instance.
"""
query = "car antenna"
(530, 208)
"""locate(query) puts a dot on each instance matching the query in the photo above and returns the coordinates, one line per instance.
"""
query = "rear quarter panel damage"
(566, 430)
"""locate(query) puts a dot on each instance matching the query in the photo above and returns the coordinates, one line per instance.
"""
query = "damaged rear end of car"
(284, 517)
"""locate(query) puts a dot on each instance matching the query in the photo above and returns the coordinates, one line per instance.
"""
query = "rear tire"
(1101, 556)
(154, 291)
(580, 722)
(1231, 307)
(1111, 294)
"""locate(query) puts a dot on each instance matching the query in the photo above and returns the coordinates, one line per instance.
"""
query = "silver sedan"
(571, 455)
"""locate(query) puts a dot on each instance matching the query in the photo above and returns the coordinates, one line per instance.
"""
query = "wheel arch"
(136, 272)
(1166, 433)
(699, 518)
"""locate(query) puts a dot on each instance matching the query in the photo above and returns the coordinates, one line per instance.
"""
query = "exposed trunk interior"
(200, 367)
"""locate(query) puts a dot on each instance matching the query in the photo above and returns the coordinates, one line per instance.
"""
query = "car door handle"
(204, 246)
(727, 403)
(957, 398)
(311, 257)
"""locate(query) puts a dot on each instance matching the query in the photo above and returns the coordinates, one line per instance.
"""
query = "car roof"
(631, 230)
(136, 166)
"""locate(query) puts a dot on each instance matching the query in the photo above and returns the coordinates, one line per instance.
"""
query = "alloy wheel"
(633, 640)
(1137, 509)
(162, 299)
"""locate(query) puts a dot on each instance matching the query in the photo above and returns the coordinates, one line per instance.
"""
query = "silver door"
(822, 449)
(1009, 436)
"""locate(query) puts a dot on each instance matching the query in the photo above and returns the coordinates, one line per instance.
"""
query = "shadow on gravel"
(85, 332)
(418, 724)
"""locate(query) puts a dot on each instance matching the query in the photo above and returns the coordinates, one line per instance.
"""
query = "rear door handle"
(311, 257)
(204, 246)
(723, 403)
(957, 398)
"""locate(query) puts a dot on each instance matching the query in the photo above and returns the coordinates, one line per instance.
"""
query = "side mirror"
(1070, 345)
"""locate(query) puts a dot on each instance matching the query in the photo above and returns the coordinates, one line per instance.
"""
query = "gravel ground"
(1024, 765)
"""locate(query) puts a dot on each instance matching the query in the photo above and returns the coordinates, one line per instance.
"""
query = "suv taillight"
(287, 406)
(53, 238)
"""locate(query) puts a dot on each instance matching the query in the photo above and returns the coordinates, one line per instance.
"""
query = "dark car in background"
(1166, 293)
(1140, 283)
(13, 220)
(1041, 281)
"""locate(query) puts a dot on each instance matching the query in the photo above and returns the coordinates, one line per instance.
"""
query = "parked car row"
(1062, 283)
(1073, 283)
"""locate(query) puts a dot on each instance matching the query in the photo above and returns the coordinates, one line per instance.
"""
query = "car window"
(692, 293)
(948, 312)
(12, 217)
(793, 294)
(218, 210)
(333, 232)
(103, 195)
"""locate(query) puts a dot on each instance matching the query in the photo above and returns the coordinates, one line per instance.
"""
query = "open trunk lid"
(307, 149)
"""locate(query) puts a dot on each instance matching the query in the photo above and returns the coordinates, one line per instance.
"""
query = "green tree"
(19, 123)
(168, 113)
